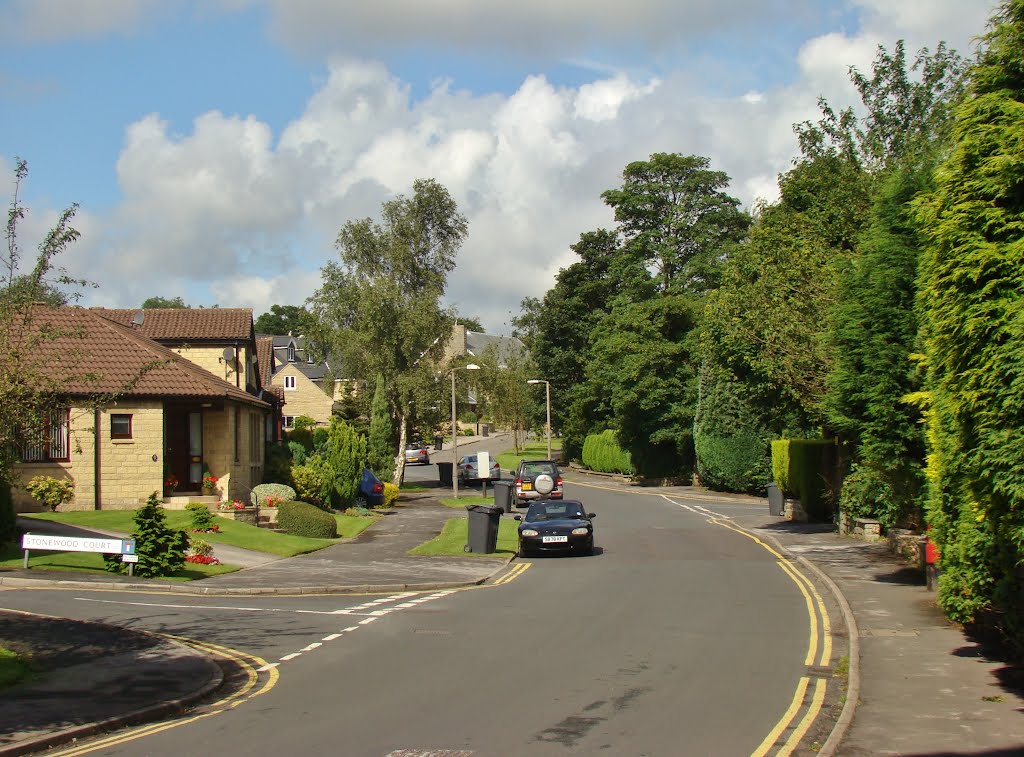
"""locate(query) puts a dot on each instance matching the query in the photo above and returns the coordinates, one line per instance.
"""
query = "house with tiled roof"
(185, 398)
(306, 385)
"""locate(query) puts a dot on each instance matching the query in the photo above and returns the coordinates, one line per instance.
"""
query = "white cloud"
(57, 20)
(231, 213)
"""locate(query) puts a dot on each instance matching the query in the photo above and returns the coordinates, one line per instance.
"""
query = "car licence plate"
(527, 486)
(554, 539)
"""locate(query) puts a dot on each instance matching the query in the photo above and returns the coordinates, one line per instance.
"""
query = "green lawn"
(452, 540)
(12, 556)
(468, 499)
(232, 532)
(533, 451)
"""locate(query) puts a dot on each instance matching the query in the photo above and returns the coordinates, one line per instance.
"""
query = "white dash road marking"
(331, 637)
(291, 656)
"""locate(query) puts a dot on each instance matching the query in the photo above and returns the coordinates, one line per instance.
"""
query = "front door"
(183, 447)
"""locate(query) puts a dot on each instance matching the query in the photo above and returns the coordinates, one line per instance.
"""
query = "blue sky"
(216, 148)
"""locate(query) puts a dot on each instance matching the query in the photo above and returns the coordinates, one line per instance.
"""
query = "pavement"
(917, 684)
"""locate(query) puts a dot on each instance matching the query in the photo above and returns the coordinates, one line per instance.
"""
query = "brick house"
(193, 403)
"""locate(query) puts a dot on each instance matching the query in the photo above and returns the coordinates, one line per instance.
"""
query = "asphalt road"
(681, 636)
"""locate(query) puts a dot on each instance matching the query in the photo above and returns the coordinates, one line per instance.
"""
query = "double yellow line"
(820, 629)
(255, 685)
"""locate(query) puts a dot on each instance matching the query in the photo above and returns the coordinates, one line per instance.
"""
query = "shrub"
(319, 439)
(299, 453)
(202, 518)
(866, 493)
(602, 453)
(345, 454)
(52, 492)
(260, 492)
(737, 463)
(304, 423)
(303, 436)
(313, 481)
(304, 519)
(278, 466)
(390, 493)
(161, 549)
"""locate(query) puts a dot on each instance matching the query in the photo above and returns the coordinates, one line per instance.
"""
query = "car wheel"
(360, 501)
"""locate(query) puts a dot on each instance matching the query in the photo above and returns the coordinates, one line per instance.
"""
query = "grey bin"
(438, 443)
(503, 495)
(444, 473)
(483, 528)
(776, 502)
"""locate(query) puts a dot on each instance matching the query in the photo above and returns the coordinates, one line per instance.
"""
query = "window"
(120, 426)
(289, 382)
(51, 443)
(288, 421)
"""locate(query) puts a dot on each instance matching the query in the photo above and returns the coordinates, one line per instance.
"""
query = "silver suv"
(526, 481)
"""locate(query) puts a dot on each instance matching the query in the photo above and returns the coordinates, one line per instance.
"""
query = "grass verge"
(451, 542)
(12, 556)
(13, 668)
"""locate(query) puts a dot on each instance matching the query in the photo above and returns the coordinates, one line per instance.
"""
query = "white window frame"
(290, 383)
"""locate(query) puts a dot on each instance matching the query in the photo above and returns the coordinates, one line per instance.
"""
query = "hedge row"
(805, 469)
(737, 463)
(304, 519)
(602, 453)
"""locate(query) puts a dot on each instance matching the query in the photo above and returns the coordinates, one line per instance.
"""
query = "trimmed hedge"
(809, 466)
(737, 463)
(602, 453)
(304, 519)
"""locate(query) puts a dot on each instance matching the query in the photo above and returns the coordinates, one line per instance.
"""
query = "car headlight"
(580, 531)
(528, 532)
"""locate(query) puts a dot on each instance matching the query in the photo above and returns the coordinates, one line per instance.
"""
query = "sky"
(215, 148)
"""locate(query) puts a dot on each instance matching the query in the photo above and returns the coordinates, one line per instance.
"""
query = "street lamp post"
(455, 430)
(547, 394)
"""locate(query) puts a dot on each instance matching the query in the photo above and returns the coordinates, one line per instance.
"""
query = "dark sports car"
(556, 526)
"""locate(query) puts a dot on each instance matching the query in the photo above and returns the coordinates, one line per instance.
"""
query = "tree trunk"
(399, 475)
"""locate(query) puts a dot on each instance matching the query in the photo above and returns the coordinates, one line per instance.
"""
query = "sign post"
(105, 545)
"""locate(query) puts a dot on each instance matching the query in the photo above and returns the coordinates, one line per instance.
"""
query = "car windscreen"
(552, 510)
(534, 470)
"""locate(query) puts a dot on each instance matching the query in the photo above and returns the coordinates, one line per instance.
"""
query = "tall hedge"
(969, 294)
(602, 453)
(729, 441)
(806, 469)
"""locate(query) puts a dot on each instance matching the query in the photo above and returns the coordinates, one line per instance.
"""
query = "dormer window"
(291, 352)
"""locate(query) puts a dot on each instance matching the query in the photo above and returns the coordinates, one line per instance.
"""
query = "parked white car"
(469, 469)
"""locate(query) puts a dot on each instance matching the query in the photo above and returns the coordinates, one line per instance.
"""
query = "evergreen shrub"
(602, 453)
(303, 436)
(299, 452)
(278, 464)
(737, 463)
(390, 494)
(161, 549)
(313, 481)
(304, 519)
(202, 518)
(866, 493)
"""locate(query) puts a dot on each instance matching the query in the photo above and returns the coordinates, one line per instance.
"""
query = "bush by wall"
(602, 453)
(390, 494)
(313, 481)
(304, 519)
(867, 493)
(202, 518)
